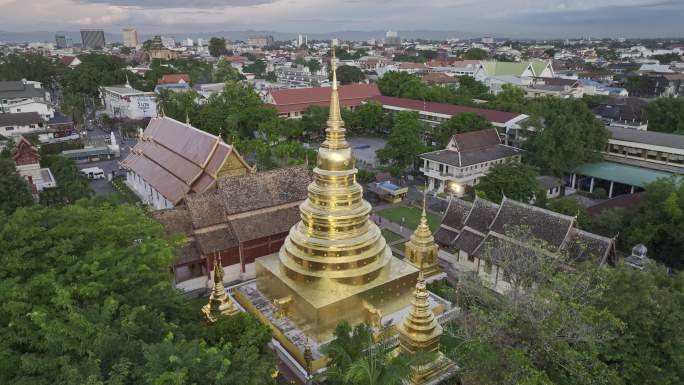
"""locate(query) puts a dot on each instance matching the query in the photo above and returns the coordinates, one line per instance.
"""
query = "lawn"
(390, 236)
(411, 217)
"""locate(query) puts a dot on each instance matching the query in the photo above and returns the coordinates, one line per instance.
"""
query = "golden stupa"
(421, 250)
(219, 301)
(334, 265)
(420, 332)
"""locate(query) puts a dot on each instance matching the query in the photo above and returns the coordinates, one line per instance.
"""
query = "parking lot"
(99, 138)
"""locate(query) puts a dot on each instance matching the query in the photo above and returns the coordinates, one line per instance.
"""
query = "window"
(471, 258)
(488, 267)
(10, 128)
(506, 277)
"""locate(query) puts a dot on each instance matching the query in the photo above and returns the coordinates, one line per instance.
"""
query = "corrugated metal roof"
(620, 173)
(648, 137)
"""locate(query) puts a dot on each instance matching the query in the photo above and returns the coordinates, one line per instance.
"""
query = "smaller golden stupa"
(219, 301)
(421, 250)
(420, 332)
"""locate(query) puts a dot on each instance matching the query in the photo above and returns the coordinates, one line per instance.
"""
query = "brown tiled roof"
(220, 239)
(471, 157)
(206, 209)
(467, 241)
(584, 246)
(188, 253)
(496, 247)
(264, 224)
(20, 119)
(493, 116)
(476, 140)
(544, 225)
(265, 189)
(176, 220)
(456, 213)
(620, 201)
(174, 79)
(445, 237)
(297, 100)
(481, 215)
(177, 159)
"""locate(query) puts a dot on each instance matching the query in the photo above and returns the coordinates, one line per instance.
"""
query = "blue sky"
(517, 18)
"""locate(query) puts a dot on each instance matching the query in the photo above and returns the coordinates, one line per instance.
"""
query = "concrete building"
(25, 96)
(392, 38)
(93, 39)
(300, 77)
(260, 41)
(130, 37)
(173, 160)
(60, 42)
(21, 123)
(466, 160)
(127, 102)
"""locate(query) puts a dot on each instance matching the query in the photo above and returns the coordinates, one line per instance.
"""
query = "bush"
(365, 176)
(600, 193)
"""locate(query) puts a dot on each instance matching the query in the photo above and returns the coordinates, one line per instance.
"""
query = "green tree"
(570, 206)
(258, 68)
(348, 74)
(511, 98)
(568, 134)
(402, 85)
(313, 65)
(551, 332)
(369, 117)
(31, 66)
(217, 46)
(651, 305)
(515, 180)
(87, 299)
(457, 124)
(71, 185)
(314, 120)
(666, 115)
(405, 143)
(14, 191)
(658, 222)
(475, 54)
(469, 87)
(226, 72)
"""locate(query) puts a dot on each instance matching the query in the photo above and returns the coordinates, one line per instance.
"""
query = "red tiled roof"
(476, 140)
(298, 99)
(66, 60)
(174, 79)
(176, 158)
(408, 65)
(492, 116)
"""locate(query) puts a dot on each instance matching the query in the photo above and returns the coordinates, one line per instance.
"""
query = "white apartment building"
(129, 103)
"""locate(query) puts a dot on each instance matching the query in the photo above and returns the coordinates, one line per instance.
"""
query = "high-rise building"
(130, 37)
(93, 39)
(302, 40)
(260, 41)
(392, 38)
(60, 41)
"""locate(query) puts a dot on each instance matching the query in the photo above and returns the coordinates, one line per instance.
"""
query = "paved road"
(96, 138)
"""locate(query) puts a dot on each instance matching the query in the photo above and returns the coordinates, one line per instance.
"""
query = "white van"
(93, 173)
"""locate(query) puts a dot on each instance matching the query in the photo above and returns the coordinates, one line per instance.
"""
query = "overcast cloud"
(530, 18)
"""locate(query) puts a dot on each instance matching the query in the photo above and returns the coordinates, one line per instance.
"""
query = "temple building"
(27, 160)
(173, 160)
(420, 332)
(334, 265)
(244, 217)
(482, 236)
(421, 250)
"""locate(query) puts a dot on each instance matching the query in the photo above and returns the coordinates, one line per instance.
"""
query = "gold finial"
(219, 301)
(424, 200)
(335, 131)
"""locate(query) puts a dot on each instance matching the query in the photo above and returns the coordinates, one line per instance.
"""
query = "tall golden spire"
(219, 301)
(421, 250)
(334, 137)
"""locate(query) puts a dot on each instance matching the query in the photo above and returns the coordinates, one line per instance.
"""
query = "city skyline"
(516, 18)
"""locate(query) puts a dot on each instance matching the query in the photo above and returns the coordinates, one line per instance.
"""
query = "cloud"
(185, 4)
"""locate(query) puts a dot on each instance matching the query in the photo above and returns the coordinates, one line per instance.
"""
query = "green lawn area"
(411, 217)
(390, 236)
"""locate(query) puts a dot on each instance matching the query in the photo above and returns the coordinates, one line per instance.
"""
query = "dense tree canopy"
(349, 74)
(31, 66)
(568, 135)
(14, 192)
(405, 85)
(86, 298)
(515, 180)
(217, 46)
(457, 124)
(666, 115)
(475, 54)
(405, 143)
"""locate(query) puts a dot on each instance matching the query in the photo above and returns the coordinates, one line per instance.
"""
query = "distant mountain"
(46, 36)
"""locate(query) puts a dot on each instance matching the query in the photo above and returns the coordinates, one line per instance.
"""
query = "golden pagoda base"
(441, 369)
(318, 307)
